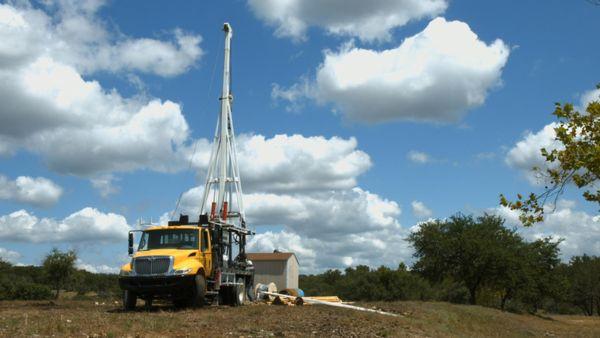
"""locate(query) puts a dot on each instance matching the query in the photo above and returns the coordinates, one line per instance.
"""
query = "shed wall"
(292, 273)
(266, 272)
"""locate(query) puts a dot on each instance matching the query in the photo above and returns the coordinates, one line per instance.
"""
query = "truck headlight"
(182, 271)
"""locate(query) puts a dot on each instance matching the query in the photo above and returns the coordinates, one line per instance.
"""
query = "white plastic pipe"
(316, 301)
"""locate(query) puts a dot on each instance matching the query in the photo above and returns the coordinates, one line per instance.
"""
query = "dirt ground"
(417, 319)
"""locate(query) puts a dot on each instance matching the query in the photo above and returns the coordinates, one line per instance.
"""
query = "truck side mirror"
(130, 243)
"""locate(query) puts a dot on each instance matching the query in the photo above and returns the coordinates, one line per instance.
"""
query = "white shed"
(280, 268)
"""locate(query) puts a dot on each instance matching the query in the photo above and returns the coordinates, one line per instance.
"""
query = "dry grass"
(84, 318)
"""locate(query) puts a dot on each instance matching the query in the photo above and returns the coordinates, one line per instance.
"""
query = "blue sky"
(392, 125)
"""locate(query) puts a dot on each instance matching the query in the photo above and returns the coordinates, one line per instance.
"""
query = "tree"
(576, 162)
(4, 265)
(59, 266)
(472, 251)
(542, 280)
(584, 278)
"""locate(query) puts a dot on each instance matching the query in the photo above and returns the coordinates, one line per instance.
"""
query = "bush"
(19, 288)
(31, 291)
(363, 283)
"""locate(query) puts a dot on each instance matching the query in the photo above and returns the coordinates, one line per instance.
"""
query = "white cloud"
(367, 20)
(436, 75)
(80, 129)
(283, 241)
(37, 191)
(326, 229)
(308, 186)
(384, 247)
(102, 268)
(9, 255)
(580, 230)
(74, 124)
(317, 214)
(485, 156)
(587, 98)
(294, 162)
(75, 35)
(85, 225)
(526, 154)
(105, 185)
(420, 210)
(418, 157)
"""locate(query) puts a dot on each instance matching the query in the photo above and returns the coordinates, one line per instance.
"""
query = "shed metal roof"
(270, 256)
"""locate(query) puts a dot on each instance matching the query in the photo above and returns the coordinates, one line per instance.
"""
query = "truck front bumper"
(157, 285)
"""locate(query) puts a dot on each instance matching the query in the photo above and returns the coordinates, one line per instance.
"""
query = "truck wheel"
(225, 295)
(239, 296)
(148, 303)
(129, 300)
(199, 295)
(180, 303)
(249, 293)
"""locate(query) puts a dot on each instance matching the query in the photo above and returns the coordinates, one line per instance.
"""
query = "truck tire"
(180, 303)
(148, 303)
(239, 293)
(129, 300)
(199, 292)
(250, 293)
(225, 295)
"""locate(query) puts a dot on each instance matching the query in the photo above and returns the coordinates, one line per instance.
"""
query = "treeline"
(474, 261)
(46, 281)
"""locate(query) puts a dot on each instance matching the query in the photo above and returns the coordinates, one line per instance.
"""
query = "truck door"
(205, 252)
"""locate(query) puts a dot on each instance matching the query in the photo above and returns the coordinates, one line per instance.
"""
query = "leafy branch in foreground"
(576, 161)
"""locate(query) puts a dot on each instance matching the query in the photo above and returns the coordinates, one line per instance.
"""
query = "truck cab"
(180, 262)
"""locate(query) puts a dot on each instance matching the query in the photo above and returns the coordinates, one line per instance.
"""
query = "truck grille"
(152, 265)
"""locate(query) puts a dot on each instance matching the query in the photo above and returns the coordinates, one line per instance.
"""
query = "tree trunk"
(57, 291)
(590, 307)
(473, 296)
(503, 303)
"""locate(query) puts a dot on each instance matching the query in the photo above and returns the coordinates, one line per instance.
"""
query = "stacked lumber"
(331, 299)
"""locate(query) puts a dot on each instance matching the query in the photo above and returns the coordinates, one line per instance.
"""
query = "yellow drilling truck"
(194, 262)
(189, 263)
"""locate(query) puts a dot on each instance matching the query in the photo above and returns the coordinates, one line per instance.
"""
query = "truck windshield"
(169, 239)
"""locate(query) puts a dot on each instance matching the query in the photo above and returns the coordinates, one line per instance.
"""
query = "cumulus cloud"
(418, 157)
(9, 255)
(367, 20)
(384, 247)
(80, 129)
(101, 268)
(74, 34)
(526, 155)
(579, 230)
(420, 210)
(37, 191)
(588, 97)
(293, 162)
(85, 225)
(326, 229)
(296, 162)
(308, 187)
(283, 241)
(105, 185)
(436, 75)
(74, 124)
